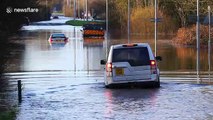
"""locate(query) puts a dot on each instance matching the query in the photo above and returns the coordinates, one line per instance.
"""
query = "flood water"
(65, 81)
(84, 53)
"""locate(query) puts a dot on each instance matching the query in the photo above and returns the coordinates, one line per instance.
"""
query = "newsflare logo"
(9, 9)
(21, 10)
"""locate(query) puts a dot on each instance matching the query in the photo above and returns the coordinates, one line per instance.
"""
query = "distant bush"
(187, 35)
(142, 21)
(67, 11)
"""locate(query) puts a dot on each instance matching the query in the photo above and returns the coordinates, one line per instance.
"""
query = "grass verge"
(81, 22)
(8, 115)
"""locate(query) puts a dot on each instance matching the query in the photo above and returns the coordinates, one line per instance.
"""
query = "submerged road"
(79, 95)
(65, 82)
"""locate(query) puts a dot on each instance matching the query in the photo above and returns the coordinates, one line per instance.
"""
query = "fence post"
(19, 91)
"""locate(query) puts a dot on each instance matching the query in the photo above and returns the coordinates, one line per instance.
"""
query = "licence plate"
(119, 71)
(60, 40)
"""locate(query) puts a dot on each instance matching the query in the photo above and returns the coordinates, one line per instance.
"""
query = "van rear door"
(131, 64)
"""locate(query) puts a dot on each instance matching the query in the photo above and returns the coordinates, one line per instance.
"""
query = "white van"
(131, 63)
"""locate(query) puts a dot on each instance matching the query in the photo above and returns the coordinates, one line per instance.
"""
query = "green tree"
(183, 9)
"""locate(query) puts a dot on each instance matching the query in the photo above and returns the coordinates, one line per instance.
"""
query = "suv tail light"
(109, 67)
(51, 39)
(66, 40)
(153, 67)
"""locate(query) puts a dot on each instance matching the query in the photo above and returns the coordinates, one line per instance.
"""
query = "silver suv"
(131, 63)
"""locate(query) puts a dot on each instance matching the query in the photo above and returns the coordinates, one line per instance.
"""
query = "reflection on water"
(76, 55)
(177, 58)
(93, 53)
(57, 45)
(11, 56)
(129, 101)
(85, 53)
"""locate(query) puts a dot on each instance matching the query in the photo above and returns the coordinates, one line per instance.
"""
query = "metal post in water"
(79, 14)
(128, 22)
(87, 10)
(198, 43)
(209, 43)
(75, 37)
(74, 11)
(87, 59)
(107, 27)
(83, 9)
(46, 10)
(19, 91)
(156, 27)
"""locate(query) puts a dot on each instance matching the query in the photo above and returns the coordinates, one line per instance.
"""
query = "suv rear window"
(135, 56)
(58, 36)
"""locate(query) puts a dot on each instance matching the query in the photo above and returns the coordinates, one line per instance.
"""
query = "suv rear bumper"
(135, 84)
(110, 81)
